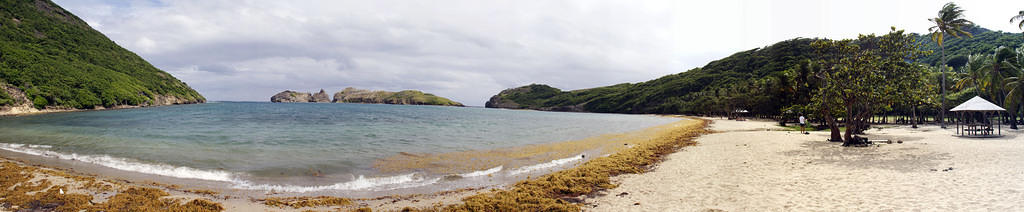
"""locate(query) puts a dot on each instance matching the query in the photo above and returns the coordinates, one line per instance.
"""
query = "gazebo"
(974, 118)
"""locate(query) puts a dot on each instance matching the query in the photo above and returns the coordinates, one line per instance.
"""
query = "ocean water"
(277, 146)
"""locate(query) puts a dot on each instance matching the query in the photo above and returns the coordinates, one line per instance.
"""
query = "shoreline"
(757, 166)
(234, 199)
(31, 111)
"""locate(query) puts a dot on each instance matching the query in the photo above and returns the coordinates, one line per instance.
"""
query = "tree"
(973, 75)
(1015, 84)
(1018, 18)
(1001, 65)
(1015, 98)
(865, 76)
(949, 21)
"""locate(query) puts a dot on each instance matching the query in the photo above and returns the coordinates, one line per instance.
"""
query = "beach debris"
(881, 141)
(61, 191)
(899, 141)
(948, 169)
(572, 199)
(583, 156)
(622, 194)
(452, 177)
(636, 203)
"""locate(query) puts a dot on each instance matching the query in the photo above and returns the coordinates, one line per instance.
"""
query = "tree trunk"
(1013, 118)
(833, 127)
(848, 136)
(914, 112)
(942, 109)
(850, 125)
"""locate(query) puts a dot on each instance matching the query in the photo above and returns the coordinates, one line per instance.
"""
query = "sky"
(469, 50)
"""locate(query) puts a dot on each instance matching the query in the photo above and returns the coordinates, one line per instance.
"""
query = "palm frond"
(1018, 17)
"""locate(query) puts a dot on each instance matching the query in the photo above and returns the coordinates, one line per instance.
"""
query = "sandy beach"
(755, 166)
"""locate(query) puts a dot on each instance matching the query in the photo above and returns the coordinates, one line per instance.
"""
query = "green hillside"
(57, 60)
(763, 81)
(984, 41)
(677, 93)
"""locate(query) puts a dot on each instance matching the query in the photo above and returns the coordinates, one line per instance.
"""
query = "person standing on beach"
(803, 122)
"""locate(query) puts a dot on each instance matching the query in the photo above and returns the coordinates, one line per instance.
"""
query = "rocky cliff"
(321, 97)
(353, 95)
(291, 96)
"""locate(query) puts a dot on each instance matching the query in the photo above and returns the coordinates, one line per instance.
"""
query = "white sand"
(746, 168)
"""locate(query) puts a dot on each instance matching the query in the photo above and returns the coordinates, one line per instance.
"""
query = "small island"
(354, 95)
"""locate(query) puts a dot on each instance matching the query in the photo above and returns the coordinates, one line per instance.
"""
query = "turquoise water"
(255, 145)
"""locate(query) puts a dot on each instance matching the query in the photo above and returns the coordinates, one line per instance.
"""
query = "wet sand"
(754, 166)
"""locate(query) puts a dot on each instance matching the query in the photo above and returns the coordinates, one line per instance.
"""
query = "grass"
(558, 191)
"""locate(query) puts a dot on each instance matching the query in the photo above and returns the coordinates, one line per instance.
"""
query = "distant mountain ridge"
(353, 95)
(51, 59)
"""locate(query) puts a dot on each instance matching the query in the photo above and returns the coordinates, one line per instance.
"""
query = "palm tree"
(1018, 18)
(1002, 66)
(950, 19)
(1015, 97)
(1015, 83)
(973, 74)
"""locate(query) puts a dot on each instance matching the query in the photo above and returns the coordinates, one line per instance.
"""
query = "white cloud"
(470, 50)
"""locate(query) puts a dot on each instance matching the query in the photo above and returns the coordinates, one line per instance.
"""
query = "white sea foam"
(360, 183)
(553, 163)
(482, 172)
(122, 164)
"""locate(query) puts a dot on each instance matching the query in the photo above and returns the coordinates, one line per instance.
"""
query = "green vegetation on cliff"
(406, 97)
(57, 60)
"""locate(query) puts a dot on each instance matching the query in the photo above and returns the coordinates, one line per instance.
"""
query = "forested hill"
(763, 81)
(49, 58)
(984, 41)
(686, 92)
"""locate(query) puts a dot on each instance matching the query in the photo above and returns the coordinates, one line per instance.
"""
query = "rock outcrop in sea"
(321, 97)
(354, 95)
(291, 96)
